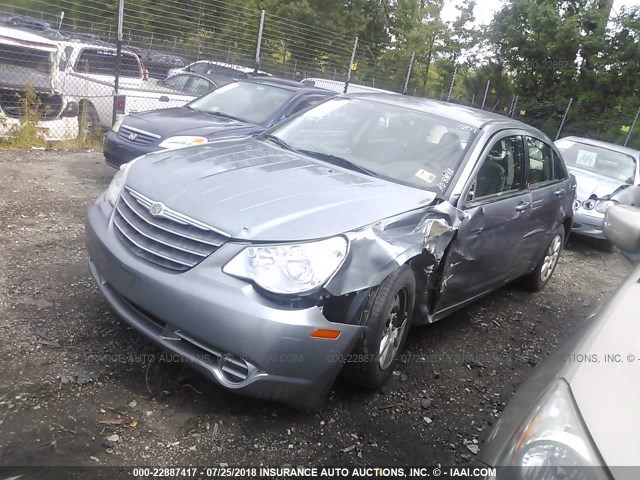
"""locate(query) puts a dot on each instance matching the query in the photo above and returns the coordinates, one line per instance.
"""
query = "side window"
(306, 103)
(199, 87)
(540, 161)
(177, 81)
(199, 68)
(503, 169)
(559, 170)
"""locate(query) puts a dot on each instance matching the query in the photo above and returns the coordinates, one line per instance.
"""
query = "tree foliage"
(534, 55)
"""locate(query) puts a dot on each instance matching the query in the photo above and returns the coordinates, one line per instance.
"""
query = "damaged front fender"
(379, 248)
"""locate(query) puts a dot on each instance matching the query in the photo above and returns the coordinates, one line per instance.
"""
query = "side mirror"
(622, 227)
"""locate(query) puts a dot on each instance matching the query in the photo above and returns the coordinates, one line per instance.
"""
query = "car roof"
(286, 83)
(607, 145)
(472, 117)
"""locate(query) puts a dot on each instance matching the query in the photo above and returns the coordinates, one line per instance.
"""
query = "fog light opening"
(233, 368)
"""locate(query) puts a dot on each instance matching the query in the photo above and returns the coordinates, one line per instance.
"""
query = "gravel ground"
(76, 389)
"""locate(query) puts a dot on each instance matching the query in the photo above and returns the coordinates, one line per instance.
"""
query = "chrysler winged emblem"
(156, 209)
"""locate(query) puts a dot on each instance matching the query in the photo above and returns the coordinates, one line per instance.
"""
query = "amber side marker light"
(327, 334)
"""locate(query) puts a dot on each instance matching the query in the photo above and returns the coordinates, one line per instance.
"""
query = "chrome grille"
(170, 240)
(137, 136)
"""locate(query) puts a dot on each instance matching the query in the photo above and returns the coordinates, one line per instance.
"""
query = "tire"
(389, 320)
(89, 126)
(536, 280)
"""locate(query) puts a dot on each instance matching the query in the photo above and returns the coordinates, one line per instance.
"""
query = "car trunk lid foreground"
(253, 190)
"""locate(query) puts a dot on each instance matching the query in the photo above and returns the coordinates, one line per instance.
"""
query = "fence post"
(118, 60)
(61, 18)
(453, 80)
(486, 91)
(353, 57)
(259, 42)
(564, 118)
(515, 104)
(406, 81)
(633, 124)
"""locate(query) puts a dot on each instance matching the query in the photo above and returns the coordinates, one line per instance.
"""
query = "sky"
(486, 8)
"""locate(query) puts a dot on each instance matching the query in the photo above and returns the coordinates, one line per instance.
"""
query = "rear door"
(547, 181)
(487, 249)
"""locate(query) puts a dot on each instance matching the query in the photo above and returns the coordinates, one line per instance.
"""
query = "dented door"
(497, 213)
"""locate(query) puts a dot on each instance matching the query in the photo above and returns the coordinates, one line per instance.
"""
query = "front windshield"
(249, 102)
(609, 163)
(401, 144)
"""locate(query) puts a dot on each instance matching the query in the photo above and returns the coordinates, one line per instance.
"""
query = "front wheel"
(387, 326)
(536, 280)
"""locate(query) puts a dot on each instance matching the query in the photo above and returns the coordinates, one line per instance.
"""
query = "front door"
(486, 250)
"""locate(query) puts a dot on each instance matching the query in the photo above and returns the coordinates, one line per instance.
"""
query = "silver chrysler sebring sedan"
(273, 263)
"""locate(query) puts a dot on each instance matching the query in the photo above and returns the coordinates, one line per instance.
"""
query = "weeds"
(28, 132)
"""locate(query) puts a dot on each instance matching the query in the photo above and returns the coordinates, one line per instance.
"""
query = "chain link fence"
(64, 79)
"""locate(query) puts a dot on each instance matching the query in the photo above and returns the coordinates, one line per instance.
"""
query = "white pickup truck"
(27, 59)
(74, 82)
(89, 75)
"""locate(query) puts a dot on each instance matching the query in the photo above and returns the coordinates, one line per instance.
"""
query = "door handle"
(560, 193)
(164, 98)
(523, 206)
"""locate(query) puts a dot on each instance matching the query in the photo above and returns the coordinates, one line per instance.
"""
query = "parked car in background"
(190, 84)
(247, 107)
(604, 172)
(26, 23)
(159, 63)
(30, 85)
(220, 72)
(579, 408)
(268, 261)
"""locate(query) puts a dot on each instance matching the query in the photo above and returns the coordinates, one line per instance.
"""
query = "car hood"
(253, 190)
(184, 121)
(592, 184)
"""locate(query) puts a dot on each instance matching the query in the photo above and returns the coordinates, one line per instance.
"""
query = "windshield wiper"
(221, 114)
(277, 140)
(339, 161)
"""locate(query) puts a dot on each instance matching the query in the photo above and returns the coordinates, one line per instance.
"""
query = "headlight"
(289, 269)
(117, 183)
(552, 438)
(182, 141)
(116, 126)
(602, 205)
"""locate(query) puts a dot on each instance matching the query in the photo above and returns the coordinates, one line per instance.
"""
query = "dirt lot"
(72, 391)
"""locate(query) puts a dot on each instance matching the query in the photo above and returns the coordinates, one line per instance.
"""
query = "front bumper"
(587, 225)
(204, 316)
(118, 151)
(55, 130)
